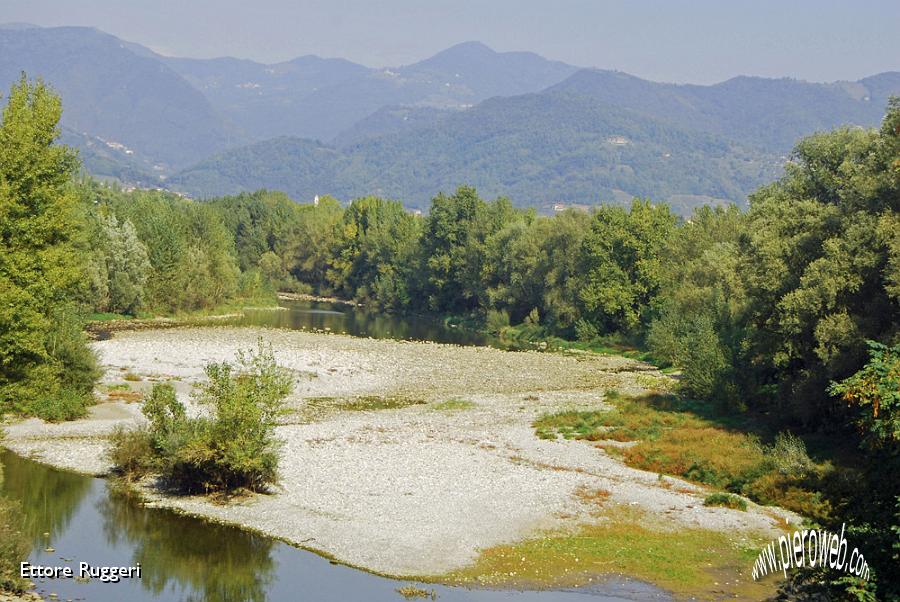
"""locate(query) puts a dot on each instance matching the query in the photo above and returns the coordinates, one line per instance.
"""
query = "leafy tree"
(42, 359)
(819, 264)
(697, 319)
(621, 271)
(381, 238)
(119, 268)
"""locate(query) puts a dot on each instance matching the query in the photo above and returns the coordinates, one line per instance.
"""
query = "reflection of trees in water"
(361, 321)
(212, 562)
(48, 497)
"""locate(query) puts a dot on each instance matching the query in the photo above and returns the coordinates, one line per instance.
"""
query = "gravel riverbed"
(411, 491)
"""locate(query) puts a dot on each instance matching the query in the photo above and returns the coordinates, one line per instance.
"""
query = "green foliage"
(14, 546)
(119, 267)
(728, 500)
(875, 389)
(131, 452)
(43, 357)
(621, 271)
(496, 321)
(232, 447)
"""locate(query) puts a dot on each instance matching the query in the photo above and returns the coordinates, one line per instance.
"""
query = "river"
(72, 518)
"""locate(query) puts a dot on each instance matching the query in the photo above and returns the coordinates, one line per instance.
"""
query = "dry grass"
(124, 395)
(675, 437)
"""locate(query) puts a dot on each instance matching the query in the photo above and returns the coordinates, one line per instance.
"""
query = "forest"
(787, 313)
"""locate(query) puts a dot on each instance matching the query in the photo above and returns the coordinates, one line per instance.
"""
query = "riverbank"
(404, 458)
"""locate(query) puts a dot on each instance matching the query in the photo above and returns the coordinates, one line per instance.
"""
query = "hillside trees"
(45, 365)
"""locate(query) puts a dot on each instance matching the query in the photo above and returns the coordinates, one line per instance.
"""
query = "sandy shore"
(416, 490)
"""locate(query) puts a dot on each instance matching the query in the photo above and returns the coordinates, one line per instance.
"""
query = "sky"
(702, 41)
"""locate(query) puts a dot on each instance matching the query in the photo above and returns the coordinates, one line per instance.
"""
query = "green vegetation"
(766, 313)
(46, 367)
(686, 561)
(728, 500)
(693, 441)
(363, 403)
(14, 546)
(231, 448)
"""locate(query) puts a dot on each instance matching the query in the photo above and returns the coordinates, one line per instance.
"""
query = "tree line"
(790, 309)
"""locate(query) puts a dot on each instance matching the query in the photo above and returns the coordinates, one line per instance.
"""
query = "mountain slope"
(318, 98)
(265, 100)
(535, 148)
(770, 113)
(110, 92)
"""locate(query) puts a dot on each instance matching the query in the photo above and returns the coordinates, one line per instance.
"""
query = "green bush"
(231, 447)
(496, 321)
(131, 452)
(727, 500)
(60, 406)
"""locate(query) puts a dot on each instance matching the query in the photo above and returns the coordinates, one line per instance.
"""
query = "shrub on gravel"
(231, 447)
(727, 500)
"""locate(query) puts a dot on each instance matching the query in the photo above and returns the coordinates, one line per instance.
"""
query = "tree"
(119, 267)
(42, 359)
(621, 270)
(819, 262)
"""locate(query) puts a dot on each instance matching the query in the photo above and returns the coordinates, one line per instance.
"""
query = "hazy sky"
(667, 40)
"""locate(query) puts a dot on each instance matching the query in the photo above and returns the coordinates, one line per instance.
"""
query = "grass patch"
(452, 405)
(727, 500)
(131, 376)
(686, 561)
(365, 403)
(686, 439)
(118, 387)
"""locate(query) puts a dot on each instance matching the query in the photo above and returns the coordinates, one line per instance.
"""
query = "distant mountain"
(390, 120)
(265, 101)
(319, 98)
(110, 92)
(537, 148)
(512, 123)
(770, 113)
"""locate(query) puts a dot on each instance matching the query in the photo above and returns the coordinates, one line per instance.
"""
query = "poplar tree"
(43, 356)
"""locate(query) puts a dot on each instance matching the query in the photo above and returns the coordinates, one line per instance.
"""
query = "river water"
(72, 518)
(360, 322)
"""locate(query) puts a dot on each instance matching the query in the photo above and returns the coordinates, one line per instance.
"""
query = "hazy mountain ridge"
(770, 113)
(538, 149)
(512, 123)
(110, 92)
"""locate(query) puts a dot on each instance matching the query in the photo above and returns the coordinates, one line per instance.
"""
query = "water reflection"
(214, 563)
(52, 497)
(358, 321)
(186, 560)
